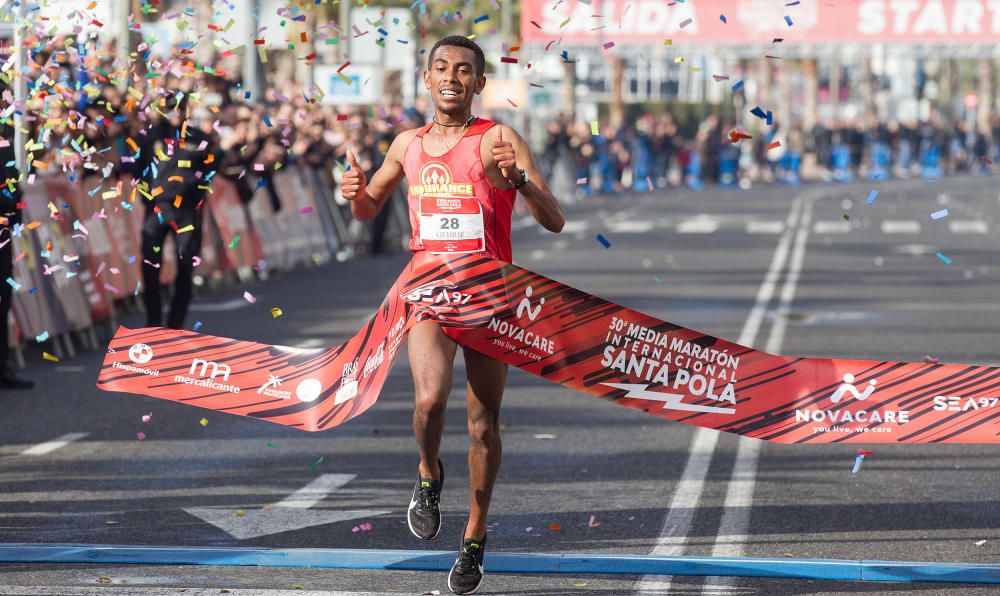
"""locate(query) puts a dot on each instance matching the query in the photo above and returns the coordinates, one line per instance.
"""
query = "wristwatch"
(522, 180)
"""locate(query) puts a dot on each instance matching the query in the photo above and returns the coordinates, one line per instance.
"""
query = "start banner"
(761, 21)
(576, 340)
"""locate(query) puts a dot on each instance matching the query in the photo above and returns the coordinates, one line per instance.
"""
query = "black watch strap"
(522, 181)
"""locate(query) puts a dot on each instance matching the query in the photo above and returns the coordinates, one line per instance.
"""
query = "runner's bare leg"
(432, 356)
(484, 392)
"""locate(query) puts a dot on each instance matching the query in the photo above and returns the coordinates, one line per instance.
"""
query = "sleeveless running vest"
(454, 209)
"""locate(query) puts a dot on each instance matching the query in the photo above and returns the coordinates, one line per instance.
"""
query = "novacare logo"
(847, 416)
(528, 338)
(525, 309)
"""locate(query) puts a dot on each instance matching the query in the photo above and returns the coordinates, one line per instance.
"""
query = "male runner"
(483, 165)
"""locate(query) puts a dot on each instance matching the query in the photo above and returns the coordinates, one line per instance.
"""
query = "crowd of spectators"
(69, 97)
(652, 151)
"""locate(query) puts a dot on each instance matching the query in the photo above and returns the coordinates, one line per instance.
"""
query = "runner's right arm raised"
(367, 198)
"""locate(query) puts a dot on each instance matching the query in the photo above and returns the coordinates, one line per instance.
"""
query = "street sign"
(363, 84)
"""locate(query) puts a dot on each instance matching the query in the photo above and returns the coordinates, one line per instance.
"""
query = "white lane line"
(765, 227)
(698, 225)
(901, 226)
(573, 226)
(832, 227)
(315, 491)
(673, 535)
(735, 522)
(50, 446)
(630, 227)
(132, 590)
(966, 226)
(777, 335)
(766, 290)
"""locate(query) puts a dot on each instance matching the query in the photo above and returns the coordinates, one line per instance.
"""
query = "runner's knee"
(484, 427)
(431, 404)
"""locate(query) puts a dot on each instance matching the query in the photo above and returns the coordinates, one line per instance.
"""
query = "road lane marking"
(294, 512)
(630, 227)
(901, 226)
(57, 443)
(966, 226)
(735, 521)
(315, 491)
(765, 227)
(832, 227)
(677, 524)
(698, 225)
(574, 226)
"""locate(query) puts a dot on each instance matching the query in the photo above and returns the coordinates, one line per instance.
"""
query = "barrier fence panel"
(125, 215)
(213, 262)
(60, 292)
(356, 234)
(334, 230)
(231, 219)
(89, 241)
(32, 310)
(275, 246)
(92, 250)
(399, 228)
(290, 221)
(299, 207)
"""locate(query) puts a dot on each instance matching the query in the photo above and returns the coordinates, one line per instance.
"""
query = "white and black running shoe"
(467, 573)
(424, 514)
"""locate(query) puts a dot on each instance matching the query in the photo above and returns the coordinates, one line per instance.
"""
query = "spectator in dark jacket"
(10, 215)
(176, 164)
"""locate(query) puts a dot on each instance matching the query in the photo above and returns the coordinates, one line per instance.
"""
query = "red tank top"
(454, 209)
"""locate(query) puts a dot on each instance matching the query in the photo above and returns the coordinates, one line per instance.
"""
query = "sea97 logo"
(437, 292)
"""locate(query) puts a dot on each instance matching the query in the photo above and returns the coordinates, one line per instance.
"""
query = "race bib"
(452, 225)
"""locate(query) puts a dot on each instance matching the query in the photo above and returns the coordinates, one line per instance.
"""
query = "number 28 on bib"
(452, 225)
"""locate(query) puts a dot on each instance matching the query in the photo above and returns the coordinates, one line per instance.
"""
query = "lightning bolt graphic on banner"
(671, 401)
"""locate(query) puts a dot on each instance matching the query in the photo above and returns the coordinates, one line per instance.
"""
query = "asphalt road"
(866, 286)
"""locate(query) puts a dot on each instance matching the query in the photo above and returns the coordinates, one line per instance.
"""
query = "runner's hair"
(462, 42)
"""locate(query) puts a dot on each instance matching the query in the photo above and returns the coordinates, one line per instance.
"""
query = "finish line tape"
(417, 560)
(578, 341)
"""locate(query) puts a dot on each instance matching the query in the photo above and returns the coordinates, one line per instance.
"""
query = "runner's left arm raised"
(511, 154)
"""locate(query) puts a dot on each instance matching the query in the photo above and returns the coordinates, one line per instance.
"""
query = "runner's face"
(452, 79)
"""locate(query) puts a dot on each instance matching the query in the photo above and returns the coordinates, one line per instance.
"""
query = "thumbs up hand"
(503, 154)
(353, 182)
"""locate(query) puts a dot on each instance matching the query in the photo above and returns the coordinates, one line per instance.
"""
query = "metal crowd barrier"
(78, 257)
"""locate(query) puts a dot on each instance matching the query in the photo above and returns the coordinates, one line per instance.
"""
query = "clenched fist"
(353, 182)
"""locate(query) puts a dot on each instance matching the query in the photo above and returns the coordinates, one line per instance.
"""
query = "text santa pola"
(648, 354)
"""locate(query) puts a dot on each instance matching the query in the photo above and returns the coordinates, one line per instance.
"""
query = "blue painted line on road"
(419, 560)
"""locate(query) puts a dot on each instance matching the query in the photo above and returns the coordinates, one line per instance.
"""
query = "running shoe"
(467, 573)
(424, 515)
